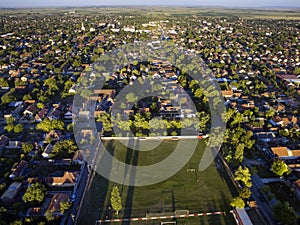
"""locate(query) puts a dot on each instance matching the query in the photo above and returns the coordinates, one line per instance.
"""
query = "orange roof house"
(280, 151)
(67, 180)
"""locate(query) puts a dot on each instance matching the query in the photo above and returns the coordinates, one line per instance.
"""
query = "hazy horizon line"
(148, 5)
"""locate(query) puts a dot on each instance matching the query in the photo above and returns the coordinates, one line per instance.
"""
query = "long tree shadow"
(94, 206)
(131, 159)
(225, 176)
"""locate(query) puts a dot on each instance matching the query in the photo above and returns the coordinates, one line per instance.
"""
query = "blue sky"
(227, 3)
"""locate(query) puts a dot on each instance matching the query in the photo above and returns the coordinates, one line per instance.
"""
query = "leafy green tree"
(64, 206)
(65, 146)
(270, 113)
(40, 105)
(16, 222)
(297, 71)
(131, 97)
(243, 175)
(27, 147)
(105, 119)
(49, 216)
(3, 82)
(239, 153)
(284, 213)
(10, 120)
(245, 193)
(115, 199)
(35, 193)
(48, 125)
(9, 128)
(279, 168)
(7, 98)
(70, 127)
(18, 128)
(237, 202)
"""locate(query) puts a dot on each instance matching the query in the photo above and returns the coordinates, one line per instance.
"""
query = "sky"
(225, 3)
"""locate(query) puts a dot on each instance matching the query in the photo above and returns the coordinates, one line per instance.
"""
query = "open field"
(205, 191)
(167, 11)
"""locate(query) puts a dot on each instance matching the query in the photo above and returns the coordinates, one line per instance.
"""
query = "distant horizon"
(154, 3)
(140, 6)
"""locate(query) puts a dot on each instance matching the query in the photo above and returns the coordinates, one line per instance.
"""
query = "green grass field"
(205, 191)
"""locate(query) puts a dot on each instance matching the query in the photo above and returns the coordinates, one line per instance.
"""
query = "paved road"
(271, 180)
(262, 203)
(79, 195)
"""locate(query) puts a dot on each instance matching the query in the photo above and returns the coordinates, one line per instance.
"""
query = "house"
(54, 114)
(47, 151)
(285, 153)
(227, 94)
(14, 144)
(53, 135)
(68, 115)
(10, 194)
(15, 104)
(110, 93)
(30, 110)
(3, 141)
(67, 180)
(265, 136)
(35, 212)
(41, 114)
(19, 169)
(296, 185)
(54, 205)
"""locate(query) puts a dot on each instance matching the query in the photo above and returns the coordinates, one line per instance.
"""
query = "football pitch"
(189, 189)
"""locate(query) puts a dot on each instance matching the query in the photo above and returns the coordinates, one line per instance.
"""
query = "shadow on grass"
(95, 200)
(131, 159)
(225, 176)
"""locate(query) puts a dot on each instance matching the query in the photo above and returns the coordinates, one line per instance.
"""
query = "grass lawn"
(194, 191)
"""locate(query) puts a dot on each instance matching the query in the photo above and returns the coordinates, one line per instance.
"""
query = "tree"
(239, 153)
(48, 125)
(297, 71)
(17, 222)
(65, 146)
(131, 97)
(10, 120)
(237, 202)
(9, 128)
(284, 213)
(18, 128)
(3, 82)
(27, 147)
(105, 119)
(243, 175)
(7, 98)
(64, 206)
(115, 199)
(279, 168)
(35, 193)
(245, 193)
(40, 105)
